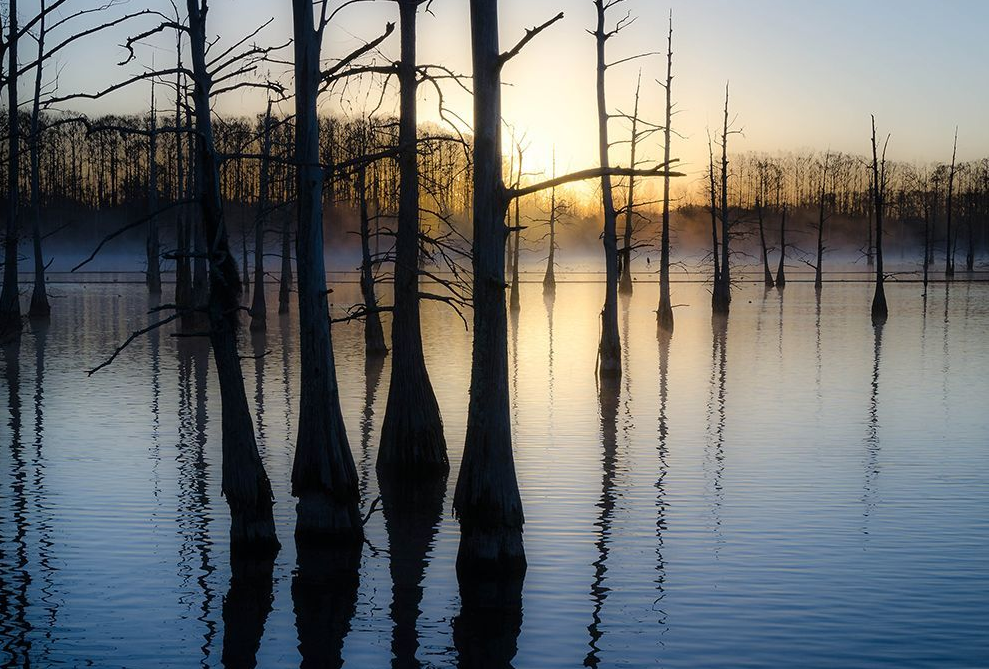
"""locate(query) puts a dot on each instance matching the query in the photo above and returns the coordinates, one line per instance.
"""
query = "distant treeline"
(94, 173)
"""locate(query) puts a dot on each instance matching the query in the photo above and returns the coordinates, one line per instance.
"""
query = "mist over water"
(792, 487)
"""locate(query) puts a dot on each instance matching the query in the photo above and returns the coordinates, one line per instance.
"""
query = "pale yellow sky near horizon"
(804, 75)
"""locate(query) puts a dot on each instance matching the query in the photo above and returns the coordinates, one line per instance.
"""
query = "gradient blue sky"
(803, 74)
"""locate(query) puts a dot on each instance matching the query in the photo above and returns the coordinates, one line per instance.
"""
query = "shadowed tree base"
(412, 430)
(664, 315)
(487, 551)
(880, 312)
(324, 596)
(322, 519)
(609, 355)
(412, 510)
(486, 631)
(40, 308)
(246, 608)
(720, 301)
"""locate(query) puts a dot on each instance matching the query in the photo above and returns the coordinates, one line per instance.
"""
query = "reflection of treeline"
(94, 164)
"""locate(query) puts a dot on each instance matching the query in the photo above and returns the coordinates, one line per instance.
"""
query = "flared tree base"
(323, 520)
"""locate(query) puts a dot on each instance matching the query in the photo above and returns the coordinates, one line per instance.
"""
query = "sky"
(803, 74)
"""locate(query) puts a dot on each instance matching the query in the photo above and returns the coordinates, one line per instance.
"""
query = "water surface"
(792, 488)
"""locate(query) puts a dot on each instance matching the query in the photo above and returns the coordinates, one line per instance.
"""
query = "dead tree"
(609, 347)
(40, 308)
(10, 307)
(949, 250)
(487, 500)
(721, 298)
(259, 307)
(153, 245)
(715, 247)
(821, 220)
(514, 302)
(553, 218)
(412, 429)
(880, 312)
(767, 275)
(324, 477)
(625, 281)
(664, 314)
(374, 337)
(781, 268)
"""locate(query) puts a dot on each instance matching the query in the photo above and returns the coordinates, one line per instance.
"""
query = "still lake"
(795, 489)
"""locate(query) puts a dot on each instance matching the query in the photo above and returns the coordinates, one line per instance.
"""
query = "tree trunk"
(374, 336)
(664, 315)
(40, 308)
(10, 304)
(880, 311)
(412, 431)
(153, 273)
(514, 302)
(625, 282)
(244, 481)
(609, 348)
(259, 307)
(949, 250)
(767, 274)
(721, 299)
(781, 269)
(183, 266)
(715, 247)
(549, 280)
(285, 275)
(487, 500)
(324, 478)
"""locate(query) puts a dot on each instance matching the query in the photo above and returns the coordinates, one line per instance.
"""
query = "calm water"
(795, 490)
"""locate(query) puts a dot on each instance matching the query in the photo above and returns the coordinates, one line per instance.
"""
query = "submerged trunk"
(324, 598)
(246, 608)
(10, 304)
(285, 275)
(715, 247)
(153, 274)
(374, 336)
(514, 302)
(664, 314)
(609, 348)
(721, 299)
(880, 311)
(927, 243)
(781, 269)
(767, 274)
(259, 307)
(412, 430)
(244, 481)
(487, 500)
(40, 308)
(625, 283)
(949, 250)
(412, 510)
(549, 280)
(183, 266)
(324, 478)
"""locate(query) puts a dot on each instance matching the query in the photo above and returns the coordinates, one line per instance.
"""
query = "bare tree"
(664, 313)
(949, 249)
(10, 307)
(259, 307)
(880, 312)
(781, 268)
(324, 477)
(721, 298)
(412, 429)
